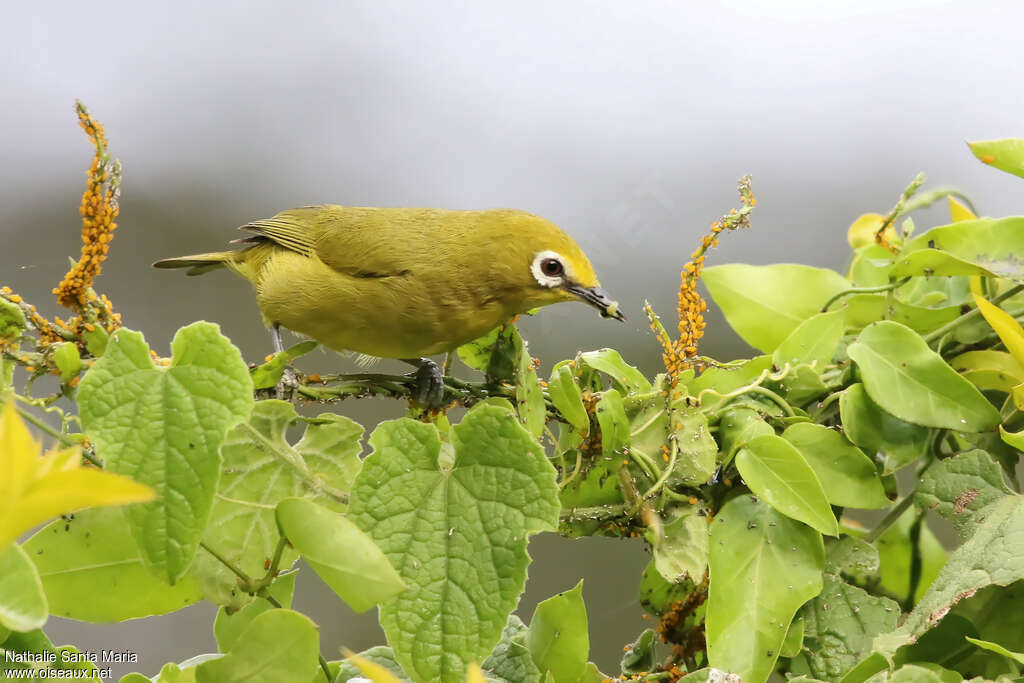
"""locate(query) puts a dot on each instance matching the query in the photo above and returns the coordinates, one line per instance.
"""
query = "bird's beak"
(596, 297)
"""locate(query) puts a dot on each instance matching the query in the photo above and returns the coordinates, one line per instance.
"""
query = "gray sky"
(625, 123)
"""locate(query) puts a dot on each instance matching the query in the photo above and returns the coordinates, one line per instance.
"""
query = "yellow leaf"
(1018, 396)
(959, 211)
(38, 488)
(862, 231)
(18, 453)
(474, 674)
(375, 672)
(1008, 329)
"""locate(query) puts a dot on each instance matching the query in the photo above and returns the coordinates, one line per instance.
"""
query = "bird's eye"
(552, 267)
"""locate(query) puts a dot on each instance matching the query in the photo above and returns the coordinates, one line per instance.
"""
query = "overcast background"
(627, 123)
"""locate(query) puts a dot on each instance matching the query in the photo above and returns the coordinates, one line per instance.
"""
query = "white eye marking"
(549, 268)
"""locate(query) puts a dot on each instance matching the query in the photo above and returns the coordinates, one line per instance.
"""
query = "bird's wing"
(295, 229)
(359, 242)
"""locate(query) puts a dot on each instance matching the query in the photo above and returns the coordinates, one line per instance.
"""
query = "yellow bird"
(403, 283)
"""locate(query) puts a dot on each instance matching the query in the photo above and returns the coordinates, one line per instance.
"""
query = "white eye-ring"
(548, 269)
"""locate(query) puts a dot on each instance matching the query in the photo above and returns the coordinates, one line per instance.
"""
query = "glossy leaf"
(989, 370)
(764, 566)
(910, 381)
(278, 645)
(227, 627)
(34, 489)
(343, 556)
(814, 341)
(22, 602)
(681, 550)
(626, 377)
(984, 246)
(557, 638)
(568, 399)
(876, 431)
(529, 397)
(615, 426)
(738, 427)
(764, 304)
(92, 571)
(163, 426)
(454, 518)
(848, 477)
(774, 470)
(1006, 154)
(1005, 325)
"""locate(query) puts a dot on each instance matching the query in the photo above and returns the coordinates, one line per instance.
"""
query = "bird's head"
(548, 267)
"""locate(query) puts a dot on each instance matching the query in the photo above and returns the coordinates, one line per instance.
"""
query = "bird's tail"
(198, 264)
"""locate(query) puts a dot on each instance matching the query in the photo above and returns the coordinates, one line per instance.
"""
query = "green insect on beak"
(596, 297)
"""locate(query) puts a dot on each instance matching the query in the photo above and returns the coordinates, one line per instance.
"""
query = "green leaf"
(961, 488)
(840, 626)
(988, 369)
(348, 560)
(510, 660)
(615, 426)
(998, 649)
(454, 518)
(814, 341)
(163, 427)
(794, 641)
(67, 360)
(913, 673)
(682, 549)
(96, 340)
(381, 655)
(557, 637)
(640, 655)
(863, 309)
(738, 427)
(658, 595)
(1006, 154)
(851, 554)
(848, 477)
(626, 377)
(697, 450)
(764, 566)
(910, 381)
(567, 398)
(983, 246)
(12, 320)
(496, 354)
(764, 304)
(261, 468)
(92, 570)
(708, 387)
(35, 645)
(22, 601)
(871, 428)
(994, 554)
(529, 397)
(269, 374)
(278, 645)
(774, 470)
(227, 627)
(896, 554)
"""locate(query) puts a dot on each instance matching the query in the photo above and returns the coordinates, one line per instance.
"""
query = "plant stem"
(970, 315)
(890, 519)
(246, 581)
(865, 290)
(63, 438)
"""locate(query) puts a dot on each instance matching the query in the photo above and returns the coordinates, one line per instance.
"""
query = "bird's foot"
(287, 385)
(428, 384)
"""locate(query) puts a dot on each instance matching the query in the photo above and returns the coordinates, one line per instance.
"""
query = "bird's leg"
(288, 382)
(429, 389)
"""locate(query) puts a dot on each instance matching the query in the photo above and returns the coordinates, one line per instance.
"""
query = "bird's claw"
(428, 384)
